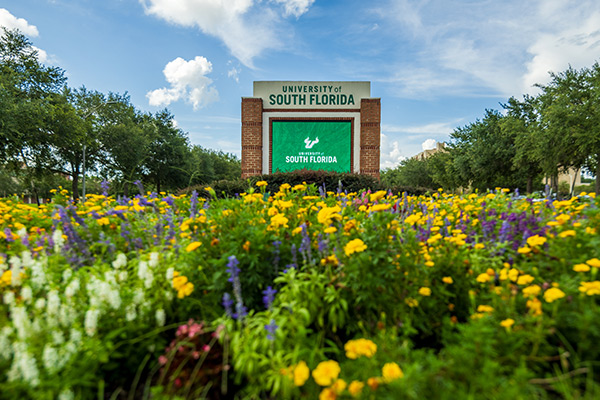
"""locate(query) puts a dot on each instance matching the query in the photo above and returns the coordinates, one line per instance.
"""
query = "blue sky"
(436, 64)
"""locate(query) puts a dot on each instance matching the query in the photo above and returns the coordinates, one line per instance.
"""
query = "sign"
(311, 95)
(314, 145)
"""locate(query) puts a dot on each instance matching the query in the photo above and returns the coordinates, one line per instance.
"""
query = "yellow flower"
(485, 309)
(355, 246)
(355, 388)
(326, 372)
(524, 250)
(581, 268)
(535, 307)
(479, 246)
(193, 246)
(373, 382)
(331, 229)
(448, 280)
(381, 207)
(594, 262)
(330, 260)
(391, 371)
(284, 186)
(246, 246)
(327, 214)
(339, 386)
(261, 183)
(483, 278)
(525, 279)
(103, 221)
(300, 373)
(425, 291)
(507, 323)
(327, 394)
(412, 303)
(360, 347)
(186, 290)
(531, 291)
(536, 240)
(377, 195)
(590, 288)
(553, 294)
(6, 278)
(297, 230)
(565, 234)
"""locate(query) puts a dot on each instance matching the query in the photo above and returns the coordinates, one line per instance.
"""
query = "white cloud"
(234, 73)
(429, 144)
(188, 82)
(390, 155)
(9, 21)
(295, 7)
(247, 27)
(487, 48)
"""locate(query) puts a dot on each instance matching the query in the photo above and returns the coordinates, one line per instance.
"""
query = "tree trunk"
(75, 184)
(598, 176)
(529, 185)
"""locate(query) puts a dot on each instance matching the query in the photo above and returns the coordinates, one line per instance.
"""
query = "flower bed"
(300, 293)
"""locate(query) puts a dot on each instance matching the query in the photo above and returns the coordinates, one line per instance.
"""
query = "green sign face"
(314, 145)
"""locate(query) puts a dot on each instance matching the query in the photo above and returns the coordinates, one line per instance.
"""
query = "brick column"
(370, 132)
(252, 144)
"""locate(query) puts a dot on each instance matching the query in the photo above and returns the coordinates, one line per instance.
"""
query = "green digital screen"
(314, 145)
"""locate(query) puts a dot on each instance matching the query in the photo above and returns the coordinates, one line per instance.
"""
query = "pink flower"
(206, 348)
(162, 360)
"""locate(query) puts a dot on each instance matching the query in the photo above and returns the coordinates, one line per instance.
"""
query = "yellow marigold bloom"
(373, 382)
(536, 240)
(581, 268)
(327, 214)
(360, 347)
(524, 250)
(411, 219)
(355, 388)
(531, 291)
(178, 280)
(327, 394)
(429, 263)
(330, 260)
(331, 229)
(284, 186)
(479, 246)
(355, 246)
(193, 246)
(448, 280)
(565, 234)
(373, 197)
(246, 246)
(535, 307)
(594, 262)
(507, 323)
(299, 188)
(186, 290)
(525, 279)
(261, 183)
(412, 303)
(590, 288)
(553, 294)
(339, 386)
(103, 221)
(485, 308)
(425, 291)
(391, 371)
(279, 220)
(326, 372)
(300, 373)
(483, 278)
(381, 207)
(513, 274)
(6, 278)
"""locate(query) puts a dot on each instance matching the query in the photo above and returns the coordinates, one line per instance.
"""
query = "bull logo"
(310, 143)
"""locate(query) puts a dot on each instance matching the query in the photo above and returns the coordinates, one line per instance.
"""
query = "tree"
(410, 172)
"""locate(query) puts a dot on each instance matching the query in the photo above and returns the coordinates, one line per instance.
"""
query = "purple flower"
(193, 204)
(168, 200)
(228, 304)
(268, 296)
(232, 268)
(139, 185)
(271, 328)
(9, 235)
(104, 185)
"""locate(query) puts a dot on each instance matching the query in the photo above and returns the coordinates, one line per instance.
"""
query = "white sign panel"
(311, 95)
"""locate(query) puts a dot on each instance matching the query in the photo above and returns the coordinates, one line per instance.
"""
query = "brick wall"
(370, 131)
(252, 145)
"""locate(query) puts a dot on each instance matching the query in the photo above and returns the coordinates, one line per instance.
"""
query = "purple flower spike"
(268, 296)
(271, 327)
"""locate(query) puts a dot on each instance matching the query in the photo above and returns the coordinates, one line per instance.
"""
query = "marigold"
(355, 388)
(193, 246)
(373, 382)
(524, 250)
(448, 280)
(261, 183)
(339, 386)
(331, 229)
(590, 288)
(425, 291)
(581, 268)
(507, 323)
(391, 371)
(536, 240)
(326, 372)
(377, 195)
(531, 291)
(594, 262)
(354, 246)
(360, 347)
(412, 303)
(553, 294)
(485, 308)
(483, 278)
(300, 373)
(525, 279)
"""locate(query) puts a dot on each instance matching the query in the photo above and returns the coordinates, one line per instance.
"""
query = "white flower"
(15, 267)
(91, 321)
(130, 313)
(145, 274)
(122, 276)
(21, 322)
(67, 274)
(53, 304)
(138, 296)
(170, 274)
(121, 261)
(57, 337)
(9, 298)
(58, 240)
(66, 394)
(50, 358)
(160, 317)
(40, 304)
(153, 259)
(5, 343)
(38, 276)
(72, 288)
(26, 294)
(26, 259)
(24, 365)
(67, 315)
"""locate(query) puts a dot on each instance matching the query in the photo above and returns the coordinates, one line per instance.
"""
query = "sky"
(436, 65)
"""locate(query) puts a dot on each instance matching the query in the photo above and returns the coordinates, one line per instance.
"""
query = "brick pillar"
(370, 132)
(252, 145)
